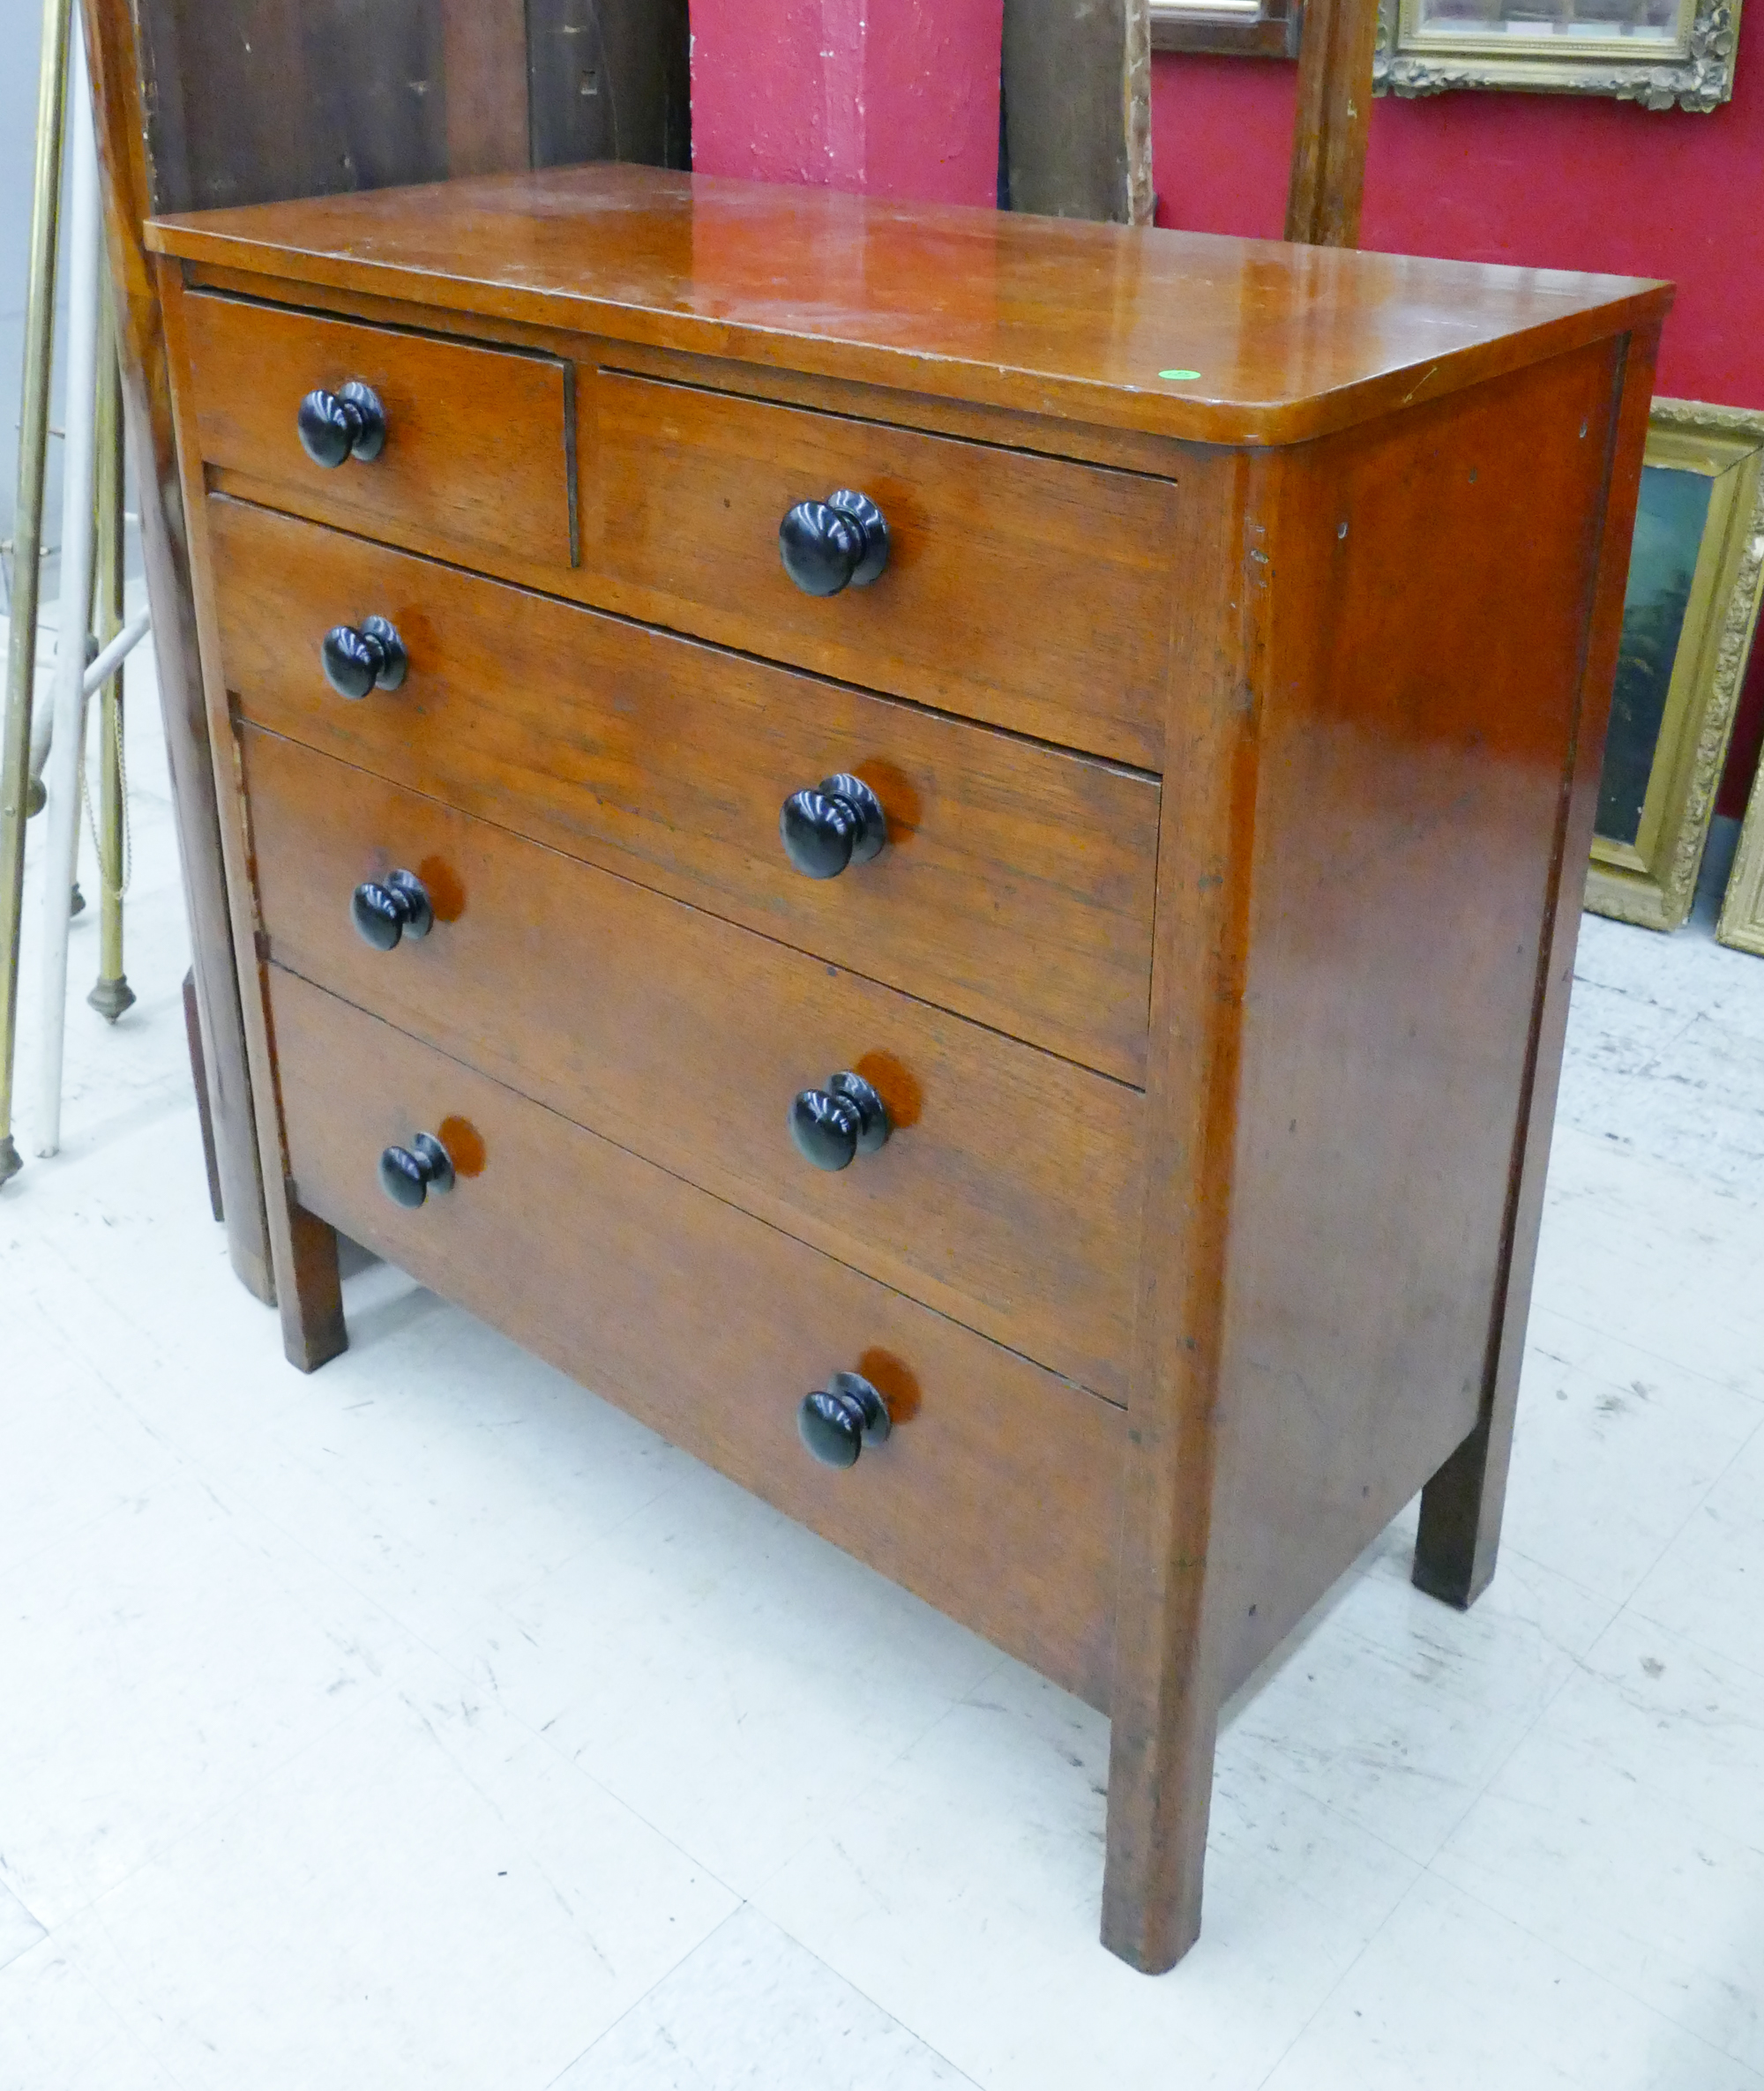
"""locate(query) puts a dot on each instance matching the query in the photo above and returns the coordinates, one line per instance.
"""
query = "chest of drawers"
(935, 850)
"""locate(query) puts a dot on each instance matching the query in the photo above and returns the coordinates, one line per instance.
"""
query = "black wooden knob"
(361, 657)
(397, 906)
(407, 1174)
(833, 1126)
(838, 1422)
(840, 822)
(348, 423)
(840, 542)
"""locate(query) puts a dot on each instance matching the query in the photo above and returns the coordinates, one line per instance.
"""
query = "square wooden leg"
(310, 1293)
(1459, 1541)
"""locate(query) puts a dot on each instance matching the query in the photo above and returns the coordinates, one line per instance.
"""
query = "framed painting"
(1688, 618)
(1661, 53)
(1741, 923)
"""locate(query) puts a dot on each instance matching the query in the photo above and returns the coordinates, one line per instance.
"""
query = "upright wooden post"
(1077, 110)
(1335, 114)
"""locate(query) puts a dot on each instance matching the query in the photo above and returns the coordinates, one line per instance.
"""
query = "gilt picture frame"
(1663, 53)
(1695, 577)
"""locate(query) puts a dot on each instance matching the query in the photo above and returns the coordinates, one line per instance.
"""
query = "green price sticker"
(1176, 376)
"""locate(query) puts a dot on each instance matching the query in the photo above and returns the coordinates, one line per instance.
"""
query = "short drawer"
(996, 1498)
(1016, 887)
(1030, 592)
(479, 449)
(1007, 1193)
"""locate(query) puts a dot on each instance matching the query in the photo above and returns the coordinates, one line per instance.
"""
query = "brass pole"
(112, 995)
(27, 529)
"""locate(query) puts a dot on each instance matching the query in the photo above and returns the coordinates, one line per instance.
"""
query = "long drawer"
(1030, 592)
(480, 442)
(996, 1498)
(1016, 887)
(1007, 1194)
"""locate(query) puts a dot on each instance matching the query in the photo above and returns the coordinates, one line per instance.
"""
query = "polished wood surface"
(1284, 997)
(995, 1498)
(1031, 594)
(222, 1067)
(1005, 1196)
(480, 445)
(1071, 320)
(1016, 886)
(1459, 1536)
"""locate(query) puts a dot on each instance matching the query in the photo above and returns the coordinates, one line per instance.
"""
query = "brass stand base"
(11, 1162)
(111, 998)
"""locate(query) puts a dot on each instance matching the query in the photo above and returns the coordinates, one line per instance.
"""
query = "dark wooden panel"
(484, 49)
(1077, 76)
(1331, 122)
(480, 442)
(1016, 888)
(112, 55)
(996, 1498)
(1033, 594)
(255, 100)
(609, 81)
(1006, 1197)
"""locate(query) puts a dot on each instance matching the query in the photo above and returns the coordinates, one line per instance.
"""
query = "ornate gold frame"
(1653, 880)
(1697, 74)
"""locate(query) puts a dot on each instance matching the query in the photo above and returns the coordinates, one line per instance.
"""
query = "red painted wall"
(1545, 181)
(894, 97)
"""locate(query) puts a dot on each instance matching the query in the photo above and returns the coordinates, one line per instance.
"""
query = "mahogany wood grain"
(303, 1255)
(1331, 122)
(1407, 852)
(1004, 1197)
(1459, 1538)
(483, 53)
(996, 1497)
(1033, 594)
(1164, 1705)
(480, 442)
(221, 1069)
(1073, 321)
(1016, 887)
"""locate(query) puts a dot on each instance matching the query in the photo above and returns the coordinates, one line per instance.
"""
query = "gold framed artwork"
(1695, 574)
(1742, 910)
(1661, 53)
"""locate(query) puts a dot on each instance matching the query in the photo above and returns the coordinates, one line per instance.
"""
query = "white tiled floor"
(427, 1723)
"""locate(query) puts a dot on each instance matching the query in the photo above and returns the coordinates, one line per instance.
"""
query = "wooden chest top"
(1081, 322)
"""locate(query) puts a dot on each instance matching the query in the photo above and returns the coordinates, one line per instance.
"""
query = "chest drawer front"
(996, 1497)
(1016, 886)
(1007, 1190)
(479, 446)
(1029, 592)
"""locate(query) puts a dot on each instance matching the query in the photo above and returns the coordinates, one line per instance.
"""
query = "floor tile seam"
(1342, 1977)
(600, 1786)
(158, 1101)
(857, 1988)
(1598, 1975)
(1632, 1610)
(1645, 1350)
(125, 2028)
(159, 1853)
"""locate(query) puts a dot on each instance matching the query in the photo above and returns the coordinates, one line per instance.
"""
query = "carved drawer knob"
(838, 1422)
(387, 909)
(840, 542)
(337, 426)
(407, 1174)
(358, 658)
(840, 822)
(834, 1125)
